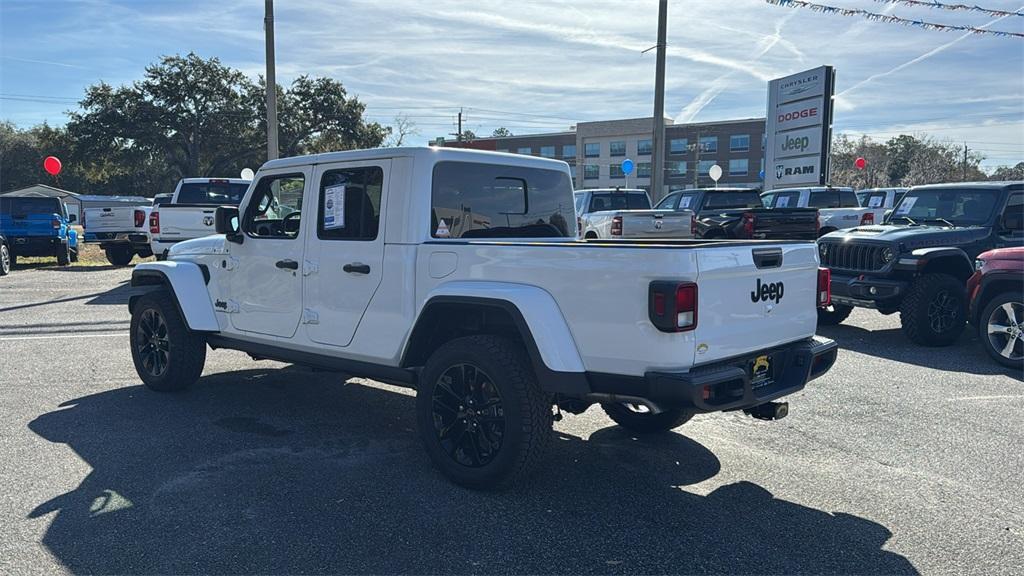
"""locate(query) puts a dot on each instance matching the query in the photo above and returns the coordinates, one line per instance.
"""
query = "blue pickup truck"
(38, 226)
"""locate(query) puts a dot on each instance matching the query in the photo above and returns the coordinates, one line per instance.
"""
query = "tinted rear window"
(743, 199)
(27, 206)
(618, 201)
(216, 193)
(473, 200)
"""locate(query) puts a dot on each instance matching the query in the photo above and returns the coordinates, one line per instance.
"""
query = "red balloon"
(52, 165)
(860, 163)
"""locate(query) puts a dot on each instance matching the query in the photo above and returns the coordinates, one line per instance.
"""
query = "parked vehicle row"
(737, 213)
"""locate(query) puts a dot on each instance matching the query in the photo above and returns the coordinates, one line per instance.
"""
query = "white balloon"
(715, 172)
(247, 174)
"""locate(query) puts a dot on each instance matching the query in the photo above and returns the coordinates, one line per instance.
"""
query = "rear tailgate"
(656, 224)
(786, 223)
(186, 221)
(113, 219)
(754, 297)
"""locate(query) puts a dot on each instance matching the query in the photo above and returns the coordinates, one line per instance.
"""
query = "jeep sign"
(801, 142)
(798, 129)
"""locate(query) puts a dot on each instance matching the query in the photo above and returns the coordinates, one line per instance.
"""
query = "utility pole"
(965, 162)
(268, 25)
(458, 133)
(658, 141)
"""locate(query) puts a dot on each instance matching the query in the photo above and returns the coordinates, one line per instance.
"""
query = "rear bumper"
(866, 291)
(34, 245)
(136, 239)
(727, 385)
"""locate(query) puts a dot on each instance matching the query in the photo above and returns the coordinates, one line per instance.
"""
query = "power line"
(954, 7)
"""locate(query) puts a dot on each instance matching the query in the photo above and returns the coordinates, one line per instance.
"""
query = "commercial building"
(596, 150)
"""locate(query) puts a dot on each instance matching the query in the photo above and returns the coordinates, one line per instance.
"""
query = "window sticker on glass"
(906, 206)
(875, 201)
(442, 230)
(684, 202)
(782, 202)
(334, 207)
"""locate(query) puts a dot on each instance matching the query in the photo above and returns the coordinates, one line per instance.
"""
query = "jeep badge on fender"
(766, 291)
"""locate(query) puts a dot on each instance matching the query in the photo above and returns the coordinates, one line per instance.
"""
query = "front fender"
(539, 310)
(187, 283)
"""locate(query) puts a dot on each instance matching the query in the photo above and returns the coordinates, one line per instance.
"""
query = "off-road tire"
(63, 255)
(119, 255)
(834, 314)
(646, 422)
(920, 302)
(186, 350)
(5, 260)
(525, 412)
(983, 322)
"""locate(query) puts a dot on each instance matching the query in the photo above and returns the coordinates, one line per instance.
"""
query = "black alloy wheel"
(468, 415)
(153, 343)
(943, 312)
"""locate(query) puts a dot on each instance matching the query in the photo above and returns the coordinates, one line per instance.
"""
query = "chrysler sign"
(798, 129)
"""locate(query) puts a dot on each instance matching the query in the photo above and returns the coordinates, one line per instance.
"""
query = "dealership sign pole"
(798, 130)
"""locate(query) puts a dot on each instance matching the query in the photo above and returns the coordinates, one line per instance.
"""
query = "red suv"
(997, 304)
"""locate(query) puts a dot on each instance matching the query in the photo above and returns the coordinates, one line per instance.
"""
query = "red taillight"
(672, 306)
(140, 218)
(824, 287)
(748, 224)
(867, 219)
(616, 226)
(154, 223)
(693, 225)
(55, 223)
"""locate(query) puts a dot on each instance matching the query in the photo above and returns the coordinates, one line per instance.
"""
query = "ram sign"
(798, 129)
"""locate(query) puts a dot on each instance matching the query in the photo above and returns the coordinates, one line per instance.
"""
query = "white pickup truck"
(885, 198)
(190, 212)
(121, 231)
(612, 213)
(457, 273)
(838, 208)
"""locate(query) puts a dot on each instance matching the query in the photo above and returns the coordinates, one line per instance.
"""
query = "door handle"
(356, 268)
(287, 264)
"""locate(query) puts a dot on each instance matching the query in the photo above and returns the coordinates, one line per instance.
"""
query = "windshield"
(23, 206)
(215, 193)
(619, 201)
(962, 207)
(731, 199)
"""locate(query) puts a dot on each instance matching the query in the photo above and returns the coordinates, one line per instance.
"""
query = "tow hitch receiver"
(769, 411)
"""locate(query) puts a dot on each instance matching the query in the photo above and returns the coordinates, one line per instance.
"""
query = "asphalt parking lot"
(900, 460)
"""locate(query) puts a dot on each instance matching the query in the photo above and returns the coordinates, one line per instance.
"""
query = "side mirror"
(226, 223)
(1013, 221)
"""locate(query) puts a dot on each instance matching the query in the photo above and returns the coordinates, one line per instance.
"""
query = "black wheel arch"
(992, 285)
(445, 318)
(947, 260)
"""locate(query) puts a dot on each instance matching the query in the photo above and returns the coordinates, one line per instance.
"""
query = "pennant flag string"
(956, 7)
(875, 17)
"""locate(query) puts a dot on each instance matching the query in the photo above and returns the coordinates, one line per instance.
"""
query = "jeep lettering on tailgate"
(765, 292)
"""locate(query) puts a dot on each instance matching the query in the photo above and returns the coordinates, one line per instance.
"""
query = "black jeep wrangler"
(917, 263)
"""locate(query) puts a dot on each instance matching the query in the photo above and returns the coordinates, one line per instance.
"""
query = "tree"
(902, 161)
(402, 129)
(1008, 172)
(468, 136)
(501, 132)
(191, 116)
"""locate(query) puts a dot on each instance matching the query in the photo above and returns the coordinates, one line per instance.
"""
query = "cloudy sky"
(541, 66)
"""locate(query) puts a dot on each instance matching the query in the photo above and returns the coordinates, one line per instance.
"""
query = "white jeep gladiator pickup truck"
(612, 213)
(838, 208)
(458, 273)
(190, 211)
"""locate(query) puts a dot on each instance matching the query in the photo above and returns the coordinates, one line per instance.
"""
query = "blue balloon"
(761, 174)
(627, 166)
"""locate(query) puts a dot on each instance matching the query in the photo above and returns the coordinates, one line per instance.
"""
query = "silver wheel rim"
(1004, 330)
(5, 259)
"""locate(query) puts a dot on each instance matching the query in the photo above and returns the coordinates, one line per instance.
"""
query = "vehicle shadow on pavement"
(966, 355)
(289, 471)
